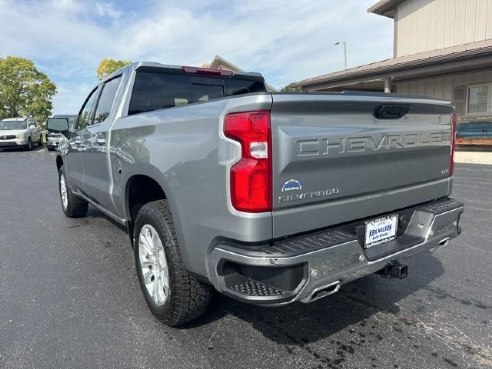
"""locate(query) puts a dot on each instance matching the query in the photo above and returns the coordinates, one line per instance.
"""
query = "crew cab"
(269, 198)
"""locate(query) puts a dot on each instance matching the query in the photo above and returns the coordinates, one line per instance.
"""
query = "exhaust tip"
(324, 291)
(444, 241)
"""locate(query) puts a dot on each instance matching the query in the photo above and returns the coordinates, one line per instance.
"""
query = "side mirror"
(59, 125)
(32, 126)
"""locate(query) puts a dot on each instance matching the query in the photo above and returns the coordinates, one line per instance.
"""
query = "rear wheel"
(173, 295)
(72, 206)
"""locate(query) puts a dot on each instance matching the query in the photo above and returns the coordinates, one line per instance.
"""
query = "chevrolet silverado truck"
(269, 198)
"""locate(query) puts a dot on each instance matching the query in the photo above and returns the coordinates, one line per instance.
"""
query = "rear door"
(34, 130)
(38, 132)
(97, 178)
(339, 158)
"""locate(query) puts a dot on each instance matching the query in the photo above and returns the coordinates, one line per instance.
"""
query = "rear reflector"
(208, 72)
(454, 125)
(251, 176)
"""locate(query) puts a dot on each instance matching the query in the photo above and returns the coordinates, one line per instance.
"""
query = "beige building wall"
(423, 25)
(445, 86)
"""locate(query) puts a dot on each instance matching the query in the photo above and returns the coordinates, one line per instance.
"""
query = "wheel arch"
(140, 189)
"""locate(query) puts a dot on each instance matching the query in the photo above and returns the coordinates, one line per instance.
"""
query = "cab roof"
(137, 65)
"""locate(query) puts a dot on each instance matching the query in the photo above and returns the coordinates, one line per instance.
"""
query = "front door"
(73, 151)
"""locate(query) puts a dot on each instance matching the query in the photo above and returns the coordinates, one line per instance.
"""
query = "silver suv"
(19, 132)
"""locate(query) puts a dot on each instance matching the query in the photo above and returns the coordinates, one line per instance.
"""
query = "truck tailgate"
(342, 157)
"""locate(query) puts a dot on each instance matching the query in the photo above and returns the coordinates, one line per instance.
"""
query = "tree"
(24, 90)
(108, 66)
(288, 88)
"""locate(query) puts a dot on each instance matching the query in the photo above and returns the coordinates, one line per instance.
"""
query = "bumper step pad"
(440, 207)
(303, 244)
(251, 287)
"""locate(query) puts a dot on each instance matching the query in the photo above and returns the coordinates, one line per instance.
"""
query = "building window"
(479, 99)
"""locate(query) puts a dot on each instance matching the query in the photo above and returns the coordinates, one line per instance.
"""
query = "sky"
(286, 41)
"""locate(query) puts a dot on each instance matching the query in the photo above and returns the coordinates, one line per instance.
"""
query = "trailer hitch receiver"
(394, 270)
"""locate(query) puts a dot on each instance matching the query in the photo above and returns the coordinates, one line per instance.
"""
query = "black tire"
(29, 144)
(75, 207)
(188, 298)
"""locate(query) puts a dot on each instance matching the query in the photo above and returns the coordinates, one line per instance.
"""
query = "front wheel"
(29, 144)
(72, 206)
(173, 295)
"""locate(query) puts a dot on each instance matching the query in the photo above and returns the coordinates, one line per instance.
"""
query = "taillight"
(454, 125)
(208, 71)
(251, 176)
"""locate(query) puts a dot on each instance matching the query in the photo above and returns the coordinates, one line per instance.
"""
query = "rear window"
(158, 88)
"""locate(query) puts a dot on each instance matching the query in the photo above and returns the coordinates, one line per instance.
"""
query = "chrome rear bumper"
(315, 265)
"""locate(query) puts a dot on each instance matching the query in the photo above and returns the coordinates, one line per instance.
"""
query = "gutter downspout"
(387, 85)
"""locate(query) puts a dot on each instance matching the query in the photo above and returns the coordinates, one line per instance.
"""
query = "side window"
(106, 100)
(85, 114)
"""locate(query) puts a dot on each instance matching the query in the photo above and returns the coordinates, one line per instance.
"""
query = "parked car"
(19, 132)
(53, 138)
(269, 198)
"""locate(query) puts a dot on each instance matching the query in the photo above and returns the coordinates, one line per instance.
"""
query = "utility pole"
(344, 43)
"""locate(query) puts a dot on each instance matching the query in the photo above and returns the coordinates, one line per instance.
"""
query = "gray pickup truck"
(269, 198)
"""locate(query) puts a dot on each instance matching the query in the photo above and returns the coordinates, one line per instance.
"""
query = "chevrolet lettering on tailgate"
(359, 144)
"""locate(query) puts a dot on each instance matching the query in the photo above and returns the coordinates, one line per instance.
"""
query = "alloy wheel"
(153, 264)
(63, 192)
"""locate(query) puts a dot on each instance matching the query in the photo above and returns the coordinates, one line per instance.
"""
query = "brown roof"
(220, 62)
(385, 7)
(448, 54)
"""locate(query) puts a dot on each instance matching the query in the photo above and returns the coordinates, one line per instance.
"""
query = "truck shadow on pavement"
(94, 213)
(363, 315)
(299, 324)
(342, 322)
(330, 331)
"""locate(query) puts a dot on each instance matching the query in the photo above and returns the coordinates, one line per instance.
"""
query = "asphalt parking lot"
(69, 297)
